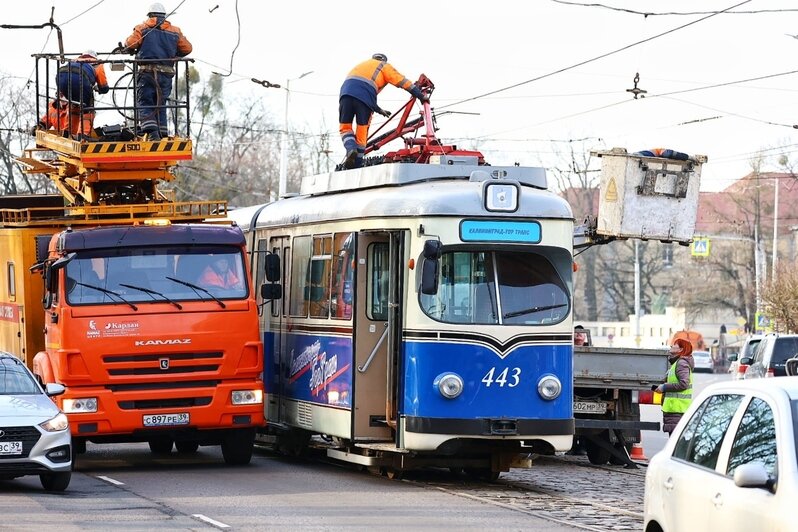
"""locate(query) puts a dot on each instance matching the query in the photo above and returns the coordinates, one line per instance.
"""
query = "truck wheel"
(78, 446)
(161, 445)
(237, 447)
(187, 447)
(55, 481)
(596, 454)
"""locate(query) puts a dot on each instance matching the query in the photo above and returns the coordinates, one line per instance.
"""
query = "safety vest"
(677, 402)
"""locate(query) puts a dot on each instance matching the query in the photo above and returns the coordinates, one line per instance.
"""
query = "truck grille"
(27, 435)
(144, 404)
(162, 363)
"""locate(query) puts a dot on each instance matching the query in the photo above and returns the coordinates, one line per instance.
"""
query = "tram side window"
(12, 281)
(377, 290)
(343, 289)
(318, 291)
(299, 276)
(275, 302)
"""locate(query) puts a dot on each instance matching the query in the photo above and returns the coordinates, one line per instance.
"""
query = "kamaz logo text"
(182, 341)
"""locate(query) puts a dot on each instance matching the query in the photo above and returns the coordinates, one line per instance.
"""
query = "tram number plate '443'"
(590, 407)
(162, 420)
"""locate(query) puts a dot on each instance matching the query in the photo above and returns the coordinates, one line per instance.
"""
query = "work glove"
(660, 388)
(383, 112)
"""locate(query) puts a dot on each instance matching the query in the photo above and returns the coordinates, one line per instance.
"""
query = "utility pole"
(775, 258)
(284, 139)
(637, 293)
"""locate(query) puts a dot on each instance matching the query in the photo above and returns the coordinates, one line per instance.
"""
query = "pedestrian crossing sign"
(762, 322)
(700, 247)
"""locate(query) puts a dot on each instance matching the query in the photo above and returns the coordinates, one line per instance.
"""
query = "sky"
(519, 80)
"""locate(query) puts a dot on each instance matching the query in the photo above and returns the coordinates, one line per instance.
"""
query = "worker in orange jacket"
(62, 116)
(76, 82)
(358, 102)
(156, 42)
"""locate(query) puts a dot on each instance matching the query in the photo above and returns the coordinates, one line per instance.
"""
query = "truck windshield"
(530, 290)
(156, 274)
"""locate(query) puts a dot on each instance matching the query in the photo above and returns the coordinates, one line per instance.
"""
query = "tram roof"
(397, 174)
(456, 194)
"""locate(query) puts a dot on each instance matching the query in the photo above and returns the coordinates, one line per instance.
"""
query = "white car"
(731, 462)
(703, 361)
(34, 433)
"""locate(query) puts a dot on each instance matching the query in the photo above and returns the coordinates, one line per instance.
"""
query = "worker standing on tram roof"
(156, 42)
(358, 101)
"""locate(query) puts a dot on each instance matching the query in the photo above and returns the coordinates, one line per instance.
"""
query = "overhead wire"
(82, 13)
(596, 58)
(238, 42)
(669, 13)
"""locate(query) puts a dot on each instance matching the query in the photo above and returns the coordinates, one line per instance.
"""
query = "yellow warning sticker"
(612, 191)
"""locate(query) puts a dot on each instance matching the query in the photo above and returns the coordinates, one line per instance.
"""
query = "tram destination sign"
(499, 231)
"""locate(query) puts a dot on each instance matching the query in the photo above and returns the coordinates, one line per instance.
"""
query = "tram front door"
(377, 334)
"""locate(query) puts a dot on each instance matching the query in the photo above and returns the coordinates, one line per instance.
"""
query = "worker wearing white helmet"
(76, 82)
(156, 43)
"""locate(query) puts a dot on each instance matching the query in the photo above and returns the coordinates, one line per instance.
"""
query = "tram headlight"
(450, 385)
(549, 387)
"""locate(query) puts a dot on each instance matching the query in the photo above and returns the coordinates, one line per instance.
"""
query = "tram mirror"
(429, 277)
(271, 291)
(272, 268)
(432, 249)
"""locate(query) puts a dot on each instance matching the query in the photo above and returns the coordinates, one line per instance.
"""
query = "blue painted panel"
(424, 361)
(316, 368)
(499, 231)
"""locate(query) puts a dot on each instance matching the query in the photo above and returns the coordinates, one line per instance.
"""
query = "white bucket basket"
(648, 197)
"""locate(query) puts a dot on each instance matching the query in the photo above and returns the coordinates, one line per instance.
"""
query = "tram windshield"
(497, 287)
(156, 274)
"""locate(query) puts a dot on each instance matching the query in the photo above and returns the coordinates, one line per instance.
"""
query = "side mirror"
(429, 277)
(746, 361)
(271, 291)
(432, 249)
(751, 475)
(272, 267)
(732, 357)
(52, 389)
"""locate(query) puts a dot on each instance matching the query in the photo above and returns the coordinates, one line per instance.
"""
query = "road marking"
(213, 522)
(110, 480)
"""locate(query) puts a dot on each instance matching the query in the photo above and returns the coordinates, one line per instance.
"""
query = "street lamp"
(284, 139)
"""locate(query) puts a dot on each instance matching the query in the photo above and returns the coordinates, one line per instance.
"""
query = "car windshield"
(156, 274)
(15, 379)
(498, 287)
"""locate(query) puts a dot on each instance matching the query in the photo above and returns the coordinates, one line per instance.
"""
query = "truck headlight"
(450, 385)
(549, 387)
(247, 397)
(55, 424)
(82, 405)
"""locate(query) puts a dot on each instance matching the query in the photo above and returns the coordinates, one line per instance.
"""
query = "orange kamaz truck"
(141, 306)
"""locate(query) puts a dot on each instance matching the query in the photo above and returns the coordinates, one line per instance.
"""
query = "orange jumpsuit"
(358, 100)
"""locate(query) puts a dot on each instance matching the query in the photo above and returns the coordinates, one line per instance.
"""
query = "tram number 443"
(510, 377)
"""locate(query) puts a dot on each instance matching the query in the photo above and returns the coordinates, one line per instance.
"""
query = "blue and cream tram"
(423, 314)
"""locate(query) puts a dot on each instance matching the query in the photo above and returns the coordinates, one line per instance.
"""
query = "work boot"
(349, 160)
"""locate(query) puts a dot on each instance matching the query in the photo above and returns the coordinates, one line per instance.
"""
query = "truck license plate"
(590, 407)
(10, 447)
(163, 420)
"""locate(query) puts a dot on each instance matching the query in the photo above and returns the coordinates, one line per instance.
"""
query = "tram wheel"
(596, 454)
(483, 473)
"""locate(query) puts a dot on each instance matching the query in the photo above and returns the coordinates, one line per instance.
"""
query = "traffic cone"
(637, 452)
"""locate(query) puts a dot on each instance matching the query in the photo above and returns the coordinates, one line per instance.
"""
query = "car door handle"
(668, 484)
(717, 500)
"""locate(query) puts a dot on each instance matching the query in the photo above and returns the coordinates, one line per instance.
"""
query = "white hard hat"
(157, 7)
(90, 53)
